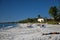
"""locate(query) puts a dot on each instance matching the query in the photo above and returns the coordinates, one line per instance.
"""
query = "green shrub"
(52, 22)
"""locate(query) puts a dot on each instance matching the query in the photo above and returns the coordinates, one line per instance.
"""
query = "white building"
(40, 19)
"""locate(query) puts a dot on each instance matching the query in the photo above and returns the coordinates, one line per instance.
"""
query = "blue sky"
(15, 10)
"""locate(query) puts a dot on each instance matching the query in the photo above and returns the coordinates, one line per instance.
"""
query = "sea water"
(6, 25)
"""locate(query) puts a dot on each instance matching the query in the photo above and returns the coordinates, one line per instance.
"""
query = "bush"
(52, 22)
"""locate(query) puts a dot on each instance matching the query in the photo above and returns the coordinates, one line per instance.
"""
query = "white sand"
(22, 32)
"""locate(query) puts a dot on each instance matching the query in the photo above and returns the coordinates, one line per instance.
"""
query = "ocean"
(7, 24)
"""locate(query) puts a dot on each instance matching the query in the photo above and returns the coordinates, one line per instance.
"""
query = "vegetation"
(29, 20)
(55, 13)
(52, 22)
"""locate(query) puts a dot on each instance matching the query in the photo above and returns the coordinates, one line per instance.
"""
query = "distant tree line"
(29, 20)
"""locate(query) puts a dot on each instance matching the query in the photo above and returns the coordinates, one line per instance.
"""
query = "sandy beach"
(23, 32)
